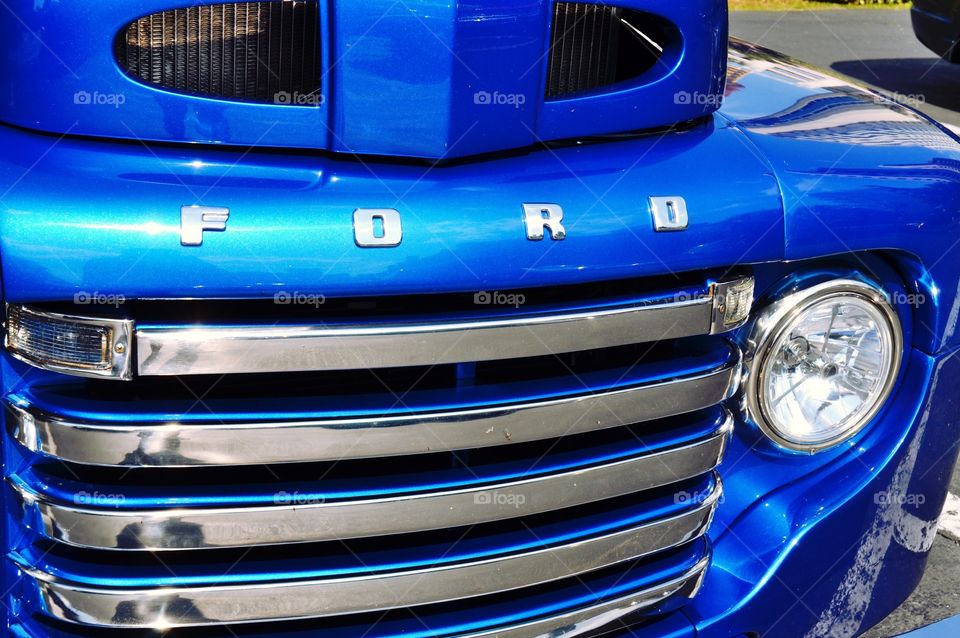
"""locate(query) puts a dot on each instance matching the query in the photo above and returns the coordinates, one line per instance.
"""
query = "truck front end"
(472, 319)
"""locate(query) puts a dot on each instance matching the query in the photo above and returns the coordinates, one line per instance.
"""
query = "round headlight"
(821, 362)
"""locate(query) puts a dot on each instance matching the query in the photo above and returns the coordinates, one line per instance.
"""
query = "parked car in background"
(476, 319)
(937, 25)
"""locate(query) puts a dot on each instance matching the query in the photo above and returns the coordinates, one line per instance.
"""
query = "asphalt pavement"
(878, 48)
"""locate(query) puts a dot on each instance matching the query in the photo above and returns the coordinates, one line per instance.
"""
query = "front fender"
(857, 172)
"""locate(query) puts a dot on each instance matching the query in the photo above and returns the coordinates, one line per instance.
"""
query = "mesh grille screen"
(583, 48)
(262, 51)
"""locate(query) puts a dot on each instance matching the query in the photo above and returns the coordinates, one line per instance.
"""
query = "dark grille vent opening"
(596, 45)
(414, 307)
(256, 51)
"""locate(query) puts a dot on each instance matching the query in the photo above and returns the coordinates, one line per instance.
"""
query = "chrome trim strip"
(121, 363)
(238, 443)
(597, 617)
(298, 521)
(226, 350)
(190, 350)
(606, 615)
(720, 291)
(169, 607)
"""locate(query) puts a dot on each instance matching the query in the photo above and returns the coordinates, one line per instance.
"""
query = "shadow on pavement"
(931, 80)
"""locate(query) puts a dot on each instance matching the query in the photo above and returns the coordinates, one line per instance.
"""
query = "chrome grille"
(596, 45)
(586, 479)
(261, 51)
(583, 50)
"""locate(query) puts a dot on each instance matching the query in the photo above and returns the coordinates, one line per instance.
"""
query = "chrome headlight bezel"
(780, 317)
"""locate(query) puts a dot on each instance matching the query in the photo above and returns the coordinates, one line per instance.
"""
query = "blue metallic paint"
(810, 167)
(943, 629)
(398, 79)
(463, 220)
(857, 172)
(825, 548)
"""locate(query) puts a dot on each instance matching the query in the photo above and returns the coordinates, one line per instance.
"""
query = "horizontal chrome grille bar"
(592, 619)
(297, 522)
(191, 350)
(208, 605)
(576, 621)
(228, 350)
(226, 443)
(188, 349)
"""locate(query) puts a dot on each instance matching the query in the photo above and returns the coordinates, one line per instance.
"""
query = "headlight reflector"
(822, 362)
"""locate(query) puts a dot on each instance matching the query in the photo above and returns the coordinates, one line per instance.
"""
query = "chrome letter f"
(196, 219)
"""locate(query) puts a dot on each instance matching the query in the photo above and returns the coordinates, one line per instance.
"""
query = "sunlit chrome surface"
(230, 350)
(295, 522)
(766, 355)
(593, 619)
(732, 303)
(234, 443)
(149, 608)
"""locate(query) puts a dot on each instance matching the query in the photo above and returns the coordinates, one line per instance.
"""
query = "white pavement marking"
(950, 518)
(955, 129)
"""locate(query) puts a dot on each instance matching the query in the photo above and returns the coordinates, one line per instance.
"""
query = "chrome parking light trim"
(300, 520)
(188, 350)
(239, 443)
(170, 607)
(117, 358)
(725, 294)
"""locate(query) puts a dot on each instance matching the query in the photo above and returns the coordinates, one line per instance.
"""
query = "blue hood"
(424, 78)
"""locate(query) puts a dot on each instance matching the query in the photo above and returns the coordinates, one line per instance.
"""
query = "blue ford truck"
(409, 318)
